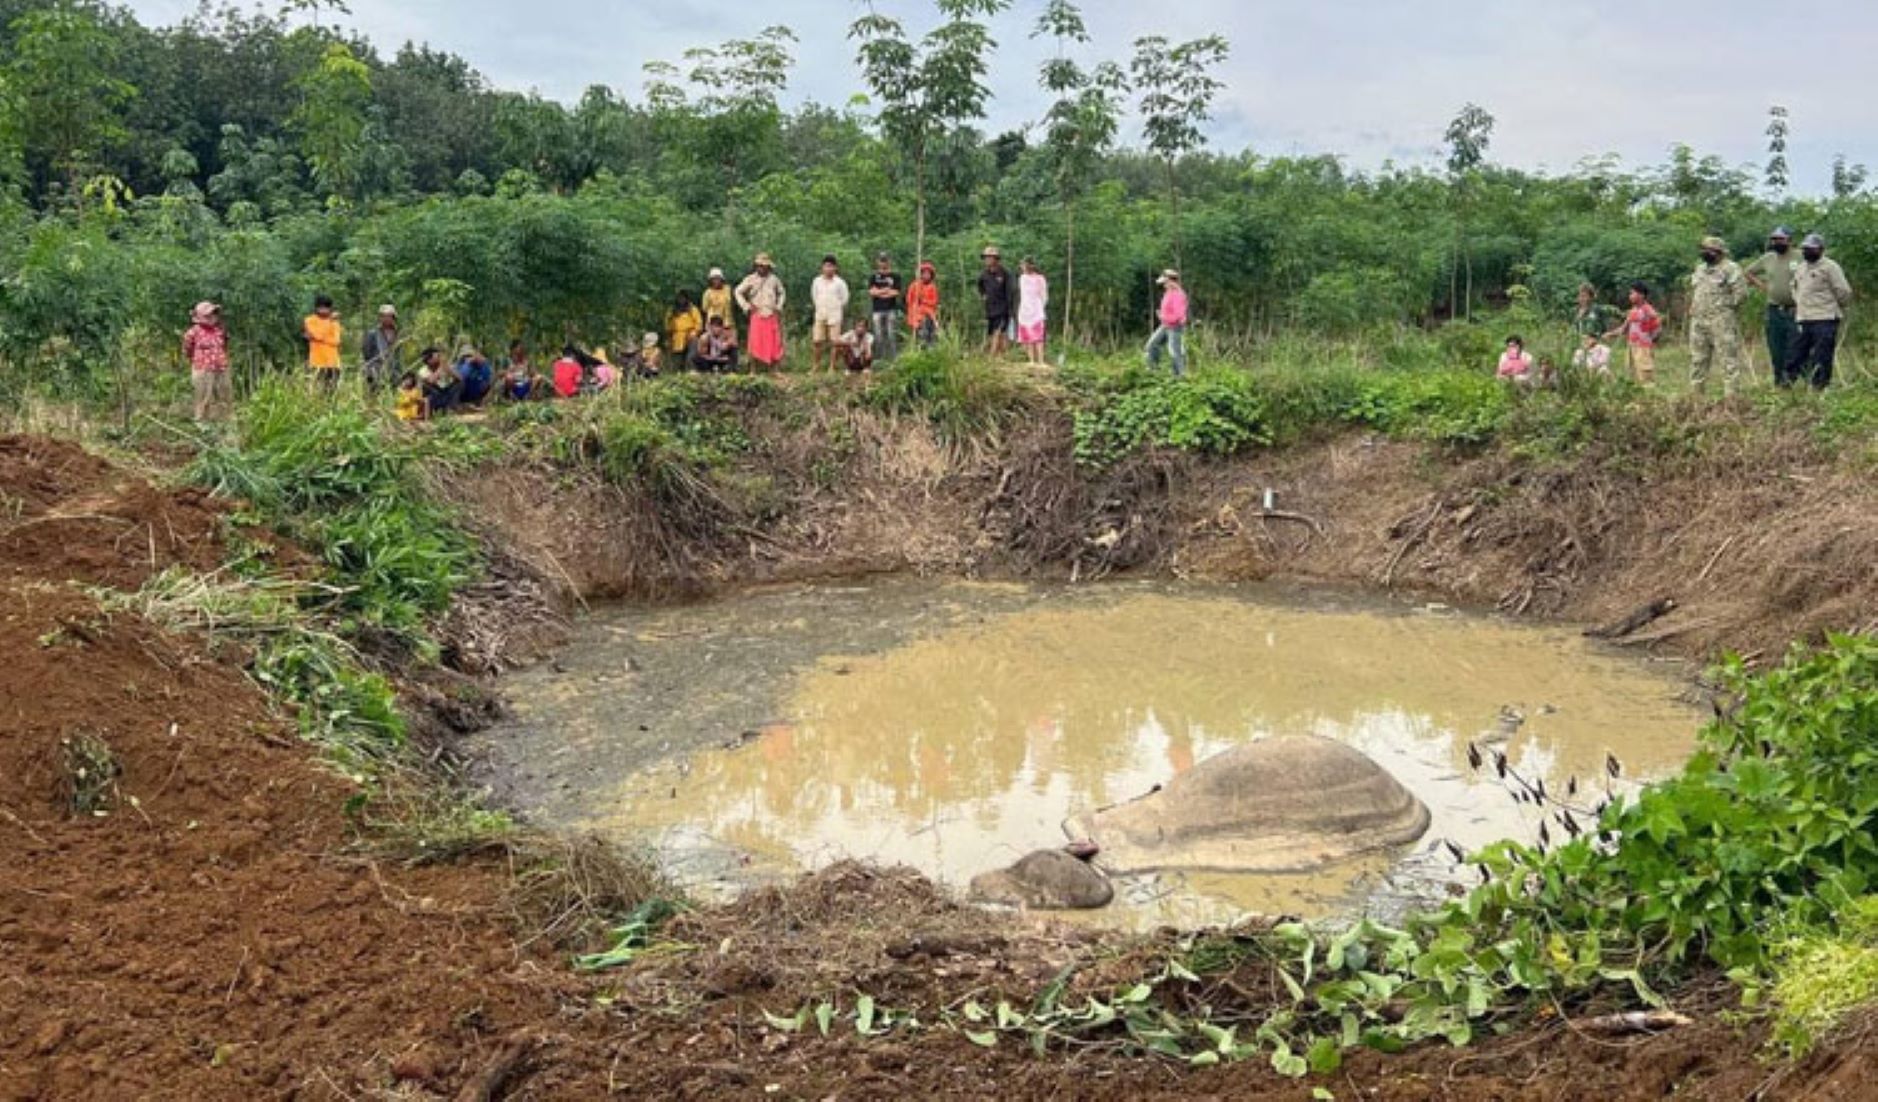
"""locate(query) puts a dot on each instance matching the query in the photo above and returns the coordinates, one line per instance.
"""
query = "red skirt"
(766, 342)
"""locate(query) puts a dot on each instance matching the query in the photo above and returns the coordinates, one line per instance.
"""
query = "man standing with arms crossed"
(1772, 275)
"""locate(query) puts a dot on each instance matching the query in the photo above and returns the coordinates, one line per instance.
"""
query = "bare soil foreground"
(227, 930)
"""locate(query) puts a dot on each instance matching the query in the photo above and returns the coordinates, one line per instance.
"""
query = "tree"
(1847, 179)
(335, 104)
(1777, 176)
(63, 97)
(1079, 127)
(1177, 91)
(928, 90)
(1469, 135)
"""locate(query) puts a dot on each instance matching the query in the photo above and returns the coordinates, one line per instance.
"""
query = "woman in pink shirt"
(1516, 362)
(1033, 296)
(205, 346)
(1171, 336)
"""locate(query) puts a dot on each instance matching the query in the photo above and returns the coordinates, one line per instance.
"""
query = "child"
(205, 346)
(856, 347)
(411, 404)
(651, 359)
(1516, 363)
(829, 292)
(1033, 295)
(1593, 357)
(520, 383)
(568, 374)
(604, 373)
(323, 334)
(442, 388)
(922, 305)
(1640, 329)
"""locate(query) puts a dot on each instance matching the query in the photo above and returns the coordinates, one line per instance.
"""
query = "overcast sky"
(1368, 79)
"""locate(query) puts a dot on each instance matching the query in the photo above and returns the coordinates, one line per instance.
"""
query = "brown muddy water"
(954, 726)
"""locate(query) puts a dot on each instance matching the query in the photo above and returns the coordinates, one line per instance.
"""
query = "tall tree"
(1177, 89)
(335, 105)
(1847, 179)
(1777, 129)
(928, 90)
(1079, 127)
(63, 95)
(1469, 136)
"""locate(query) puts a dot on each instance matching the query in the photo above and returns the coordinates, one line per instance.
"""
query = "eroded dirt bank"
(222, 934)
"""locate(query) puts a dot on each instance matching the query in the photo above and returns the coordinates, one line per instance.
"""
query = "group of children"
(1640, 326)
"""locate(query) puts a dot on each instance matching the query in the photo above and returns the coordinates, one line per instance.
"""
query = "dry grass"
(567, 892)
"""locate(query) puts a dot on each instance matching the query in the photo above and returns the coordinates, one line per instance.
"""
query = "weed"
(90, 775)
(1825, 974)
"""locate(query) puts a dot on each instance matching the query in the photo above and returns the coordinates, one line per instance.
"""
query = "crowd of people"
(1806, 297)
(701, 334)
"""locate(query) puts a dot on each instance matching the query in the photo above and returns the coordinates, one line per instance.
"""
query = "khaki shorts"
(1643, 362)
(212, 391)
(827, 332)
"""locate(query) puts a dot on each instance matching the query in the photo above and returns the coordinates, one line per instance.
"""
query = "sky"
(1371, 80)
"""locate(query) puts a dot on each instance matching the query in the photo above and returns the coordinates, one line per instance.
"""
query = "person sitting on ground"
(568, 374)
(715, 350)
(520, 381)
(922, 305)
(443, 389)
(718, 299)
(682, 326)
(1516, 364)
(651, 360)
(477, 376)
(605, 375)
(205, 346)
(856, 347)
(411, 403)
(1592, 357)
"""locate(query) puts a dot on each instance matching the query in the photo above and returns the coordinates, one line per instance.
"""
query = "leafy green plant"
(1213, 412)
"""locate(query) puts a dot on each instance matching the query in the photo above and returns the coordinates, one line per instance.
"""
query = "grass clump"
(1824, 976)
(91, 770)
(964, 398)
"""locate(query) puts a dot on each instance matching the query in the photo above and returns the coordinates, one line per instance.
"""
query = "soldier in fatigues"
(1714, 326)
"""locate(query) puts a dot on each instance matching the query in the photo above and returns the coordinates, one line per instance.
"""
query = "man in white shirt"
(829, 293)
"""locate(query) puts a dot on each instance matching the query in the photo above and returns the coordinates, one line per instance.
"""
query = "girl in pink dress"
(1033, 295)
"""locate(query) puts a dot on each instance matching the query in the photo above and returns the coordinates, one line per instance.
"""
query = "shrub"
(1215, 411)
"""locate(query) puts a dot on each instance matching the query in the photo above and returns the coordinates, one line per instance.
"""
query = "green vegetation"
(1825, 974)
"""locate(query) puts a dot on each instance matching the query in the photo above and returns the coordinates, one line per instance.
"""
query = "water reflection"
(963, 742)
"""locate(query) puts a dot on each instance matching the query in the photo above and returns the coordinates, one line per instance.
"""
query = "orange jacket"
(922, 303)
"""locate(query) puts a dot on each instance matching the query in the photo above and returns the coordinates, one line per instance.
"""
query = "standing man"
(829, 293)
(1772, 274)
(884, 287)
(994, 287)
(1171, 335)
(1822, 292)
(383, 351)
(761, 297)
(1718, 289)
(323, 334)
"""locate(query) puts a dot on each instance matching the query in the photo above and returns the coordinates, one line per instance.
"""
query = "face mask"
(1812, 254)
(1781, 247)
(1711, 259)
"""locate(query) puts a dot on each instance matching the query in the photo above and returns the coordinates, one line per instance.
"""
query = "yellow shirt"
(323, 337)
(682, 328)
(717, 302)
(411, 404)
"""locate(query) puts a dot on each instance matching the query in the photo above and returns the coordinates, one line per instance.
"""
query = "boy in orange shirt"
(323, 335)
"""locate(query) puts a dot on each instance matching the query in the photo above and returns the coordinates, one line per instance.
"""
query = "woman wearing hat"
(1171, 335)
(716, 301)
(205, 346)
(761, 296)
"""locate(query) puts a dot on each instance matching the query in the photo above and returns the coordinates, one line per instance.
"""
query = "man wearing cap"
(383, 351)
(994, 287)
(1171, 335)
(1821, 292)
(205, 346)
(884, 287)
(761, 297)
(716, 300)
(1718, 289)
(1772, 273)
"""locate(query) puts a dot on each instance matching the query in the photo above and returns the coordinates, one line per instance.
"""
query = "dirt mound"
(68, 515)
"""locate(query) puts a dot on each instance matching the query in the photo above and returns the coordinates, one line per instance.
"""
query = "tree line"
(259, 157)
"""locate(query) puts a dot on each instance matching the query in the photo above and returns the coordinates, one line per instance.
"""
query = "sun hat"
(204, 310)
(387, 311)
(991, 251)
(599, 354)
(1171, 275)
(716, 273)
(650, 340)
(1715, 243)
(763, 261)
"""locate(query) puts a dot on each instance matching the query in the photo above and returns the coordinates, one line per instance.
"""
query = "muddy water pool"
(954, 726)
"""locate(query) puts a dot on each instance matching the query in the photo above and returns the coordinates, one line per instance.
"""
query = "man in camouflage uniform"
(1714, 325)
